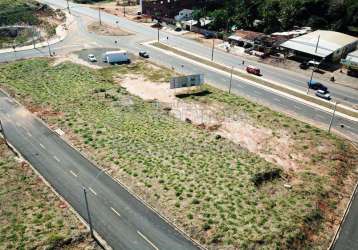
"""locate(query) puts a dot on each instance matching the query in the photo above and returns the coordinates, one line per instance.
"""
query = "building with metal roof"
(322, 44)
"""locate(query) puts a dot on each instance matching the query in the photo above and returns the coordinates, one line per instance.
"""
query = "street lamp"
(232, 69)
(88, 213)
(332, 118)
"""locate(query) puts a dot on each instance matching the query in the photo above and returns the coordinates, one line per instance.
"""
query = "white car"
(92, 58)
(323, 94)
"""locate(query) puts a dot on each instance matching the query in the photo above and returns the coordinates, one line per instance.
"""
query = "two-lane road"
(122, 220)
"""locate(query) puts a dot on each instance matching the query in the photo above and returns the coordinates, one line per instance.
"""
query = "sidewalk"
(61, 33)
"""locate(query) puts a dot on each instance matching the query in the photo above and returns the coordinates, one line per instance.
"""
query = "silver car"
(92, 58)
(323, 94)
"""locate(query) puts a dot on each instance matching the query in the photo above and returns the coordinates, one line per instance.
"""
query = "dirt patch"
(106, 30)
(75, 59)
(259, 140)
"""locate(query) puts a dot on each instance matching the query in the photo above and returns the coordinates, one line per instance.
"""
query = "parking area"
(98, 52)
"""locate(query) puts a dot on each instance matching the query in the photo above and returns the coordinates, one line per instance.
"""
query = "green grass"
(29, 210)
(204, 182)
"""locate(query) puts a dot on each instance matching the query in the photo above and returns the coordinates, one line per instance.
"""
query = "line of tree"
(279, 15)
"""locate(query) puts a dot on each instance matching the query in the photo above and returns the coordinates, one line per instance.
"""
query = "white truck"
(119, 56)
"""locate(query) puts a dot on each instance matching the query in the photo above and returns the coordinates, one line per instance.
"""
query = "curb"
(61, 34)
(252, 82)
(343, 219)
(179, 230)
(101, 242)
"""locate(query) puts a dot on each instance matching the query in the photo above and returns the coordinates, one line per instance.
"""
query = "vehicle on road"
(92, 58)
(323, 94)
(253, 70)
(113, 57)
(143, 54)
(304, 65)
(312, 84)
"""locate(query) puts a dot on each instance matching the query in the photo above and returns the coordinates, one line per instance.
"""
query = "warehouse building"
(322, 45)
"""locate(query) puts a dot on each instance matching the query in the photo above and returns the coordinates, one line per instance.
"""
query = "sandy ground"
(75, 59)
(106, 30)
(257, 140)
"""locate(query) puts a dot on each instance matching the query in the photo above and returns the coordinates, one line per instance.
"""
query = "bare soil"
(260, 141)
(106, 30)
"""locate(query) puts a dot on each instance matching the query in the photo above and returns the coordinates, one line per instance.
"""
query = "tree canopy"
(279, 15)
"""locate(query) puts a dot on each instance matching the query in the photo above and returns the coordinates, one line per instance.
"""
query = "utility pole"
(68, 7)
(334, 112)
(49, 48)
(99, 15)
(232, 69)
(88, 213)
(124, 9)
(158, 32)
(310, 82)
(33, 36)
(317, 43)
(212, 50)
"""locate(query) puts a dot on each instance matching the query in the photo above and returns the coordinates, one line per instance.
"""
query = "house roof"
(245, 35)
(353, 56)
(329, 41)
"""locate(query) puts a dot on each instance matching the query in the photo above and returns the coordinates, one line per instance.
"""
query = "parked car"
(323, 94)
(253, 70)
(313, 63)
(304, 65)
(178, 29)
(312, 84)
(92, 58)
(143, 54)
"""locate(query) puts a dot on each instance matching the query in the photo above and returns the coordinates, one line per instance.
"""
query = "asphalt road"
(348, 236)
(122, 220)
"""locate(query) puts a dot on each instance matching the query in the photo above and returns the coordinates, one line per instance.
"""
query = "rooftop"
(329, 41)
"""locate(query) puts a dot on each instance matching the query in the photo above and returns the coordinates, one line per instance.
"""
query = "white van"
(119, 56)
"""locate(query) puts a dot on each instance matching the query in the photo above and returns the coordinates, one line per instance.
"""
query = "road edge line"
(343, 219)
(175, 227)
(102, 242)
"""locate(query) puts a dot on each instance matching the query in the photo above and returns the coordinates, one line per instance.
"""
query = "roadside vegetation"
(217, 190)
(26, 13)
(31, 215)
(277, 15)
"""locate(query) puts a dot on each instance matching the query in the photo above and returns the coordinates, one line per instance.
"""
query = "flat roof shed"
(328, 43)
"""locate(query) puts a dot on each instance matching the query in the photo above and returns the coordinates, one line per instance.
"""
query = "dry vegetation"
(221, 191)
(31, 215)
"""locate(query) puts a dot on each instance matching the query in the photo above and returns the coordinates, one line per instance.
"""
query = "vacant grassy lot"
(31, 216)
(218, 191)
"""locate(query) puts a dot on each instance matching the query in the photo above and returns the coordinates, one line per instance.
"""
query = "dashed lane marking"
(73, 173)
(147, 240)
(115, 211)
(94, 192)
(42, 146)
(55, 157)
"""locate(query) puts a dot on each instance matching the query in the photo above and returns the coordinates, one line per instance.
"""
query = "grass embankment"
(31, 215)
(25, 12)
(266, 83)
(205, 183)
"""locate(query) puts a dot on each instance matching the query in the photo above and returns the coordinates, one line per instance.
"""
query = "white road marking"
(146, 239)
(92, 191)
(346, 126)
(42, 146)
(29, 134)
(73, 173)
(276, 99)
(17, 124)
(115, 211)
(256, 92)
(296, 107)
(55, 157)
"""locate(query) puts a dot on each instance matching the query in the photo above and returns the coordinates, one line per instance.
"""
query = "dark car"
(304, 65)
(312, 84)
(143, 54)
(178, 29)
(323, 94)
